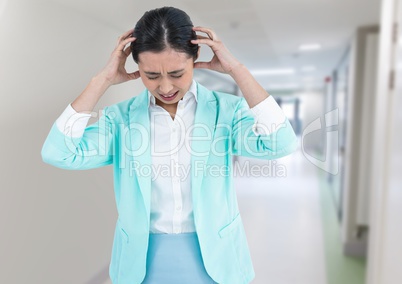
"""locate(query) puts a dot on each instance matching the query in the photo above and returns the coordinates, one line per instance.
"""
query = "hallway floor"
(282, 219)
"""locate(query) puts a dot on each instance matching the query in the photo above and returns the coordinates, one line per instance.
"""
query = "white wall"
(385, 247)
(56, 226)
(359, 137)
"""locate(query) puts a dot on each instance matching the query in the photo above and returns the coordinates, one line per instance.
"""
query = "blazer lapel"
(139, 145)
(202, 136)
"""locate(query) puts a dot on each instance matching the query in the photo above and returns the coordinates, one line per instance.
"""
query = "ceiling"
(260, 33)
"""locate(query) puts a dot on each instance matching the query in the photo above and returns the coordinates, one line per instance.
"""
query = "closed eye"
(173, 76)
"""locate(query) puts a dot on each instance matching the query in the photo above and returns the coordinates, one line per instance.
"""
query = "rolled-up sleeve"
(72, 123)
(71, 144)
(262, 131)
(268, 116)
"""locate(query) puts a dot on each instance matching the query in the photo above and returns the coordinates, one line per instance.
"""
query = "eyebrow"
(171, 72)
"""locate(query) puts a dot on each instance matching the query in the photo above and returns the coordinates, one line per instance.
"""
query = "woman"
(171, 149)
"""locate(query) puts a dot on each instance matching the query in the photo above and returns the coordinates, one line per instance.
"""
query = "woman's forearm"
(253, 92)
(88, 99)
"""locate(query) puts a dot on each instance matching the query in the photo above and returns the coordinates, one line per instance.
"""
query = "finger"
(202, 37)
(211, 34)
(127, 51)
(126, 35)
(206, 41)
(123, 44)
(123, 37)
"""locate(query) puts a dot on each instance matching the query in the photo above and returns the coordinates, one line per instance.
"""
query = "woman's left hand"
(222, 61)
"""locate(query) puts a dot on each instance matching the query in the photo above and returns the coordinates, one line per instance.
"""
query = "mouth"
(169, 97)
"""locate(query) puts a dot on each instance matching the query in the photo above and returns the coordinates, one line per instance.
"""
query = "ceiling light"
(271, 72)
(310, 46)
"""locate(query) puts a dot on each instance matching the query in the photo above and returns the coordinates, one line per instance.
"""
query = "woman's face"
(167, 75)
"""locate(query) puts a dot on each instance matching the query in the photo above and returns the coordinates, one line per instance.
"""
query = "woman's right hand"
(115, 71)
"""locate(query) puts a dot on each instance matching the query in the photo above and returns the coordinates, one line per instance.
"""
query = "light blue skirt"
(175, 258)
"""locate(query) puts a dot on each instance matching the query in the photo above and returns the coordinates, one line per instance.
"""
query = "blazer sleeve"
(279, 140)
(92, 150)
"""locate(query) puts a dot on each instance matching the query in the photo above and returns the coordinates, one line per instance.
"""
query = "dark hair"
(162, 28)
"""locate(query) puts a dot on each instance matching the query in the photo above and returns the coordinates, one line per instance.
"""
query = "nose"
(165, 86)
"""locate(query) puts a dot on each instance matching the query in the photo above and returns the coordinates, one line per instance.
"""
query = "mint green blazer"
(121, 138)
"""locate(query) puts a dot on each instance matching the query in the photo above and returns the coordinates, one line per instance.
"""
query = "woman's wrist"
(252, 91)
(90, 96)
(101, 82)
(238, 72)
